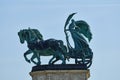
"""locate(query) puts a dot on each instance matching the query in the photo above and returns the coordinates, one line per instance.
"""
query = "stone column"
(60, 75)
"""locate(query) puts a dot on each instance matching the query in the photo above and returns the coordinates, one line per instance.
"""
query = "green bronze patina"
(40, 47)
(81, 52)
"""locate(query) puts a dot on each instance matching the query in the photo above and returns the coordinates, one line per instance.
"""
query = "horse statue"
(79, 31)
(40, 47)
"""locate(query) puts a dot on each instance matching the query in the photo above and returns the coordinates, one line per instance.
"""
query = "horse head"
(24, 35)
(21, 35)
(29, 35)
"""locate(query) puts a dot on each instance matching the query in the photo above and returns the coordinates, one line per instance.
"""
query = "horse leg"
(50, 62)
(61, 58)
(25, 55)
(32, 59)
(63, 61)
(76, 61)
(55, 60)
(38, 58)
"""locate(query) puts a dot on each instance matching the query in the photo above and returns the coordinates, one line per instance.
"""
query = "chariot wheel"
(87, 61)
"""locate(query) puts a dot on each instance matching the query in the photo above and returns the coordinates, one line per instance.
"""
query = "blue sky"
(48, 16)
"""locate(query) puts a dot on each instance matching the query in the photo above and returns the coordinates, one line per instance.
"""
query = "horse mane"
(38, 34)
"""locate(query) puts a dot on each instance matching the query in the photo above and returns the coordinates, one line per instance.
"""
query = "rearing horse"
(40, 47)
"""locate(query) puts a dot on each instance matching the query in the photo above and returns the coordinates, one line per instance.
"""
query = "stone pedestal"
(60, 75)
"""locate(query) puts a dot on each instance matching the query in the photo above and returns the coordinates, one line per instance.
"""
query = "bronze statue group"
(81, 52)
